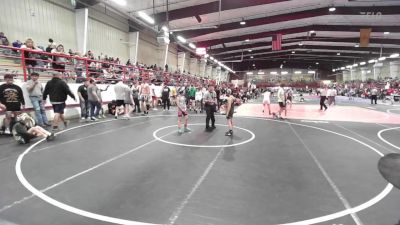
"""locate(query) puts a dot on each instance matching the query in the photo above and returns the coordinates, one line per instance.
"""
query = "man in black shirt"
(11, 101)
(83, 100)
(165, 96)
(58, 91)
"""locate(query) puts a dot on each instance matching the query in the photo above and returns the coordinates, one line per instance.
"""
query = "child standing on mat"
(182, 111)
(267, 101)
(229, 111)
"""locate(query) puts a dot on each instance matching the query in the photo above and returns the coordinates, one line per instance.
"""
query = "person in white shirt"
(120, 90)
(198, 100)
(331, 96)
(281, 102)
(323, 94)
(267, 101)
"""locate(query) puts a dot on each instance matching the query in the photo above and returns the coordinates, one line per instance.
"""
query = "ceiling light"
(120, 2)
(297, 72)
(311, 72)
(215, 60)
(164, 28)
(219, 63)
(206, 56)
(382, 58)
(251, 57)
(249, 73)
(356, 45)
(371, 61)
(332, 9)
(394, 55)
(192, 45)
(260, 73)
(242, 23)
(369, 71)
(338, 53)
(250, 50)
(181, 39)
(312, 31)
(254, 64)
(349, 66)
(212, 58)
(247, 40)
(355, 65)
(334, 70)
(273, 73)
(300, 44)
(284, 72)
(362, 63)
(386, 33)
(317, 63)
(146, 17)
(293, 52)
(342, 68)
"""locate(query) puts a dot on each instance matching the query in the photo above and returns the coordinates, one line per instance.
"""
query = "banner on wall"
(364, 37)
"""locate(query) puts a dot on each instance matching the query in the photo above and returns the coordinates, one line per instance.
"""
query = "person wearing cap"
(210, 104)
(58, 91)
(182, 111)
(11, 101)
(230, 105)
(35, 91)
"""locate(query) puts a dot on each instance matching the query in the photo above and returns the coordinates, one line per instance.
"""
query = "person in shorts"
(11, 101)
(121, 90)
(144, 97)
(267, 101)
(58, 91)
(230, 105)
(281, 102)
(182, 111)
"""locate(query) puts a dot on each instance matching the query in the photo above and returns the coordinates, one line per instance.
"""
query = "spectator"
(58, 91)
(30, 57)
(94, 100)
(59, 62)
(83, 101)
(11, 100)
(99, 90)
(135, 95)
(35, 91)
(50, 46)
(4, 40)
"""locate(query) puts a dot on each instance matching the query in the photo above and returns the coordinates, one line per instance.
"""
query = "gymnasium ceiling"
(338, 32)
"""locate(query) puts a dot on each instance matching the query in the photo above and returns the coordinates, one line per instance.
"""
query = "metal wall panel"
(108, 40)
(39, 20)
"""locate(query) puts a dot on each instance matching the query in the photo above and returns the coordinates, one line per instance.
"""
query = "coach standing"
(210, 103)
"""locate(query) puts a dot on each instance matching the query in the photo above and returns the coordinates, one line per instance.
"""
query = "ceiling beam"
(309, 48)
(247, 47)
(296, 30)
(386, 10)
(208, 8)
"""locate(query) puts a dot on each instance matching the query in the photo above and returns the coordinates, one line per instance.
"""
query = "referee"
(210, 103)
